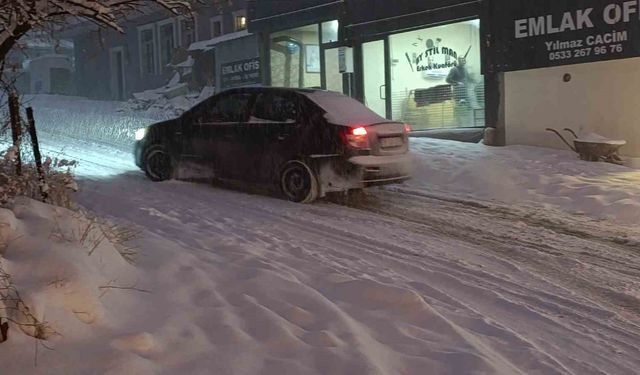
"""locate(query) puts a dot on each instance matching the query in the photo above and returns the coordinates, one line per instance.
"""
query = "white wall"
(601, 97)
(40, 71)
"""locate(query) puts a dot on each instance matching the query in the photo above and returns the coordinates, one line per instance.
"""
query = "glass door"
(374, 73)
(332, 70)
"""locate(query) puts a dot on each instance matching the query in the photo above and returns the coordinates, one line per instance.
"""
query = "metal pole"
(36, 152)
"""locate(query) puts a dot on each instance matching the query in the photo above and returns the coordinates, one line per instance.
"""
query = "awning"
(208, 45)
(373, 17)
(276, 15)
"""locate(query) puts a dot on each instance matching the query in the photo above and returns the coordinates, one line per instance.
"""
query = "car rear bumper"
(358, 172)
(382, 170)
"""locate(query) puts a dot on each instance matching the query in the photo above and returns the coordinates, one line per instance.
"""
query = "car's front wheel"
(298, 182)
(157, 163)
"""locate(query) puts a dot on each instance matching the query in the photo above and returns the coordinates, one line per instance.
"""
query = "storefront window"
(295, 57)
(332, 68)
(330, 31)
(436, 80)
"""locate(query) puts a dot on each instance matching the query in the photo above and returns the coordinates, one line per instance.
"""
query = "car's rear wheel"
(298, 182)
(157, 163)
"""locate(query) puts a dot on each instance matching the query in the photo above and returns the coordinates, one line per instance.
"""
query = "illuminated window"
(437, 80)
(240, 20)
(295, 57)
(330, 31)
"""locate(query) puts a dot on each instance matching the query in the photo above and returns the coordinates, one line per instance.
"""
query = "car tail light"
(358, 137)
(407, 128)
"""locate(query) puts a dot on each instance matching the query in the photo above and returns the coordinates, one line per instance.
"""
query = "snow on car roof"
(343, 110)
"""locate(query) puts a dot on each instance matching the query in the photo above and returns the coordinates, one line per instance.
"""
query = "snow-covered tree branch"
(17, 17)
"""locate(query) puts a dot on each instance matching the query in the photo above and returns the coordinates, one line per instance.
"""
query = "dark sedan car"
(306, 142)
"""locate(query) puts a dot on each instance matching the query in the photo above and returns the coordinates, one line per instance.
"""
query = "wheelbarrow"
(593, 150)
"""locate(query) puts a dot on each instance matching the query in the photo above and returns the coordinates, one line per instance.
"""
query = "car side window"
(230, 108)
(275, 107)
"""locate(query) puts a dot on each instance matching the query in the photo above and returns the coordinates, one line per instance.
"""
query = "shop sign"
(241, 73)
(436, 60)
(535, 34)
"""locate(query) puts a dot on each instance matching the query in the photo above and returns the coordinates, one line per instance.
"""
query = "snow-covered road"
(448, 274)
(397, 283)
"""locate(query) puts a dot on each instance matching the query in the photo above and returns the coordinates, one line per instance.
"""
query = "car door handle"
(282, 137)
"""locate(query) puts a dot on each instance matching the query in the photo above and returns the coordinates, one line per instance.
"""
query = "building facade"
(514, 66)
(567, 64)
(113, 65)
(41, 64)
(400, 58)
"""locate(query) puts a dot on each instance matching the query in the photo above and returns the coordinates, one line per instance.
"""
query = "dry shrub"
(16, 311)
(94, 230)
(58, 185)
(120, 236)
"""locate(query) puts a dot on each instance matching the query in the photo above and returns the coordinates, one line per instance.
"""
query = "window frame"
(288, 96)
(181, 21)
(236, 15)
(230, 96)
(174, 36)
(154, 59)
(212, 21)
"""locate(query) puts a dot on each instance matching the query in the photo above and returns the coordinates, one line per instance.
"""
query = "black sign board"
(543, 33)
(241, 73)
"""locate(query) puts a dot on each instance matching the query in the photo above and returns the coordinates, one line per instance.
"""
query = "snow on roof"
(208, 45)
(188, 63)
(43, 43)
(51, 56)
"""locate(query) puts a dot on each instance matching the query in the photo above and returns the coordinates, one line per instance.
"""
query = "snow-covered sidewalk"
(526, 176)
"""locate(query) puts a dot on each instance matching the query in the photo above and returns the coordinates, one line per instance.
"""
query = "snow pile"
(228, 307)
(64, 267)
(597, 138)
(523, 175)
(168, 101)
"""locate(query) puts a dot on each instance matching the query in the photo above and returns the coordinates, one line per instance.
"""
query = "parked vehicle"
(306, 142)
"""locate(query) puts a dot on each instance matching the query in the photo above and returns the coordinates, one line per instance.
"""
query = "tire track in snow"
(408, 262)
(337, 239)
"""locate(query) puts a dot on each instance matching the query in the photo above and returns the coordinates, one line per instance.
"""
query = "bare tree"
(18, 17)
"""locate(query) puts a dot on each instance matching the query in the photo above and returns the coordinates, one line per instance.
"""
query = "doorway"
(374, 74)
(117, 73)
(332, 70)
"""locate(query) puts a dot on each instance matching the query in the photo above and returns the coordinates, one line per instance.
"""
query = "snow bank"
(86, 119)
(523, 175)
(230, 309)
(66, 272)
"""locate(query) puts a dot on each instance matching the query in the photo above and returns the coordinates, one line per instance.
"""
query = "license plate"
(391, 142)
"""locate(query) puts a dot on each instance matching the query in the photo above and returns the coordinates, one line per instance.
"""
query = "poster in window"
(312, 58)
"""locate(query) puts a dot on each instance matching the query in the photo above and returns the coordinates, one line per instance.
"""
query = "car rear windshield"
(343, 110)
